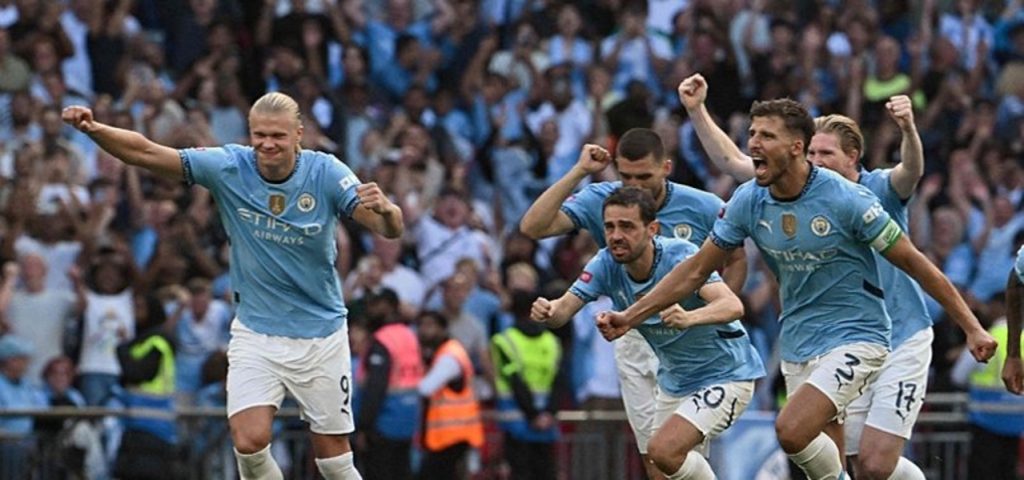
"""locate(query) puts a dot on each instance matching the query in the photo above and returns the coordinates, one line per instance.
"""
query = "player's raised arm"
(555, 313)
(378, 213)
(681, 282)
(130, 147)
(901, 253)
(908, 173)
(693, 91)
(1013, 369)
(544, 218)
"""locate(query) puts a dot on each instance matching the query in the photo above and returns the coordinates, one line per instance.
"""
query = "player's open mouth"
(760, 166)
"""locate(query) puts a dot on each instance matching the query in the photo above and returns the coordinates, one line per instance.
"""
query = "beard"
(629, 256)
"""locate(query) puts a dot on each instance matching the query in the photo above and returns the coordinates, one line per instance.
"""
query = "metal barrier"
(595, 445)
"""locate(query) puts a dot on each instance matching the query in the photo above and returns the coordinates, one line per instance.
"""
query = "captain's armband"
(890, 234)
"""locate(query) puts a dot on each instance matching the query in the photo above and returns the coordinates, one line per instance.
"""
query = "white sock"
(906, 470)
(338, 468)
(258, 466)
(820, 460)
(695, 467)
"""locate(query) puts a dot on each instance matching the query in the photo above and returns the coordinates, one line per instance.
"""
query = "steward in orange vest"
(451, 423)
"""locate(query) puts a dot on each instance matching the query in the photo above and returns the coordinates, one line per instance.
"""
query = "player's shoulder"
(748, 192)
(230, 151)
(602, 189)
(876, 179)
(688, 194)
(875, 175)
(601, 258)
(219, 162)
(676, 247)
(322, 160)
(327, 166)
(837, 188)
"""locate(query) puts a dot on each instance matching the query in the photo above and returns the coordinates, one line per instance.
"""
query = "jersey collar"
(668, 194)
(807, 186)
(654, 262)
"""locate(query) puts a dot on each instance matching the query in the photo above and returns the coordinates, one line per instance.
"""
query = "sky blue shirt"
(818, 247)
(689, 359)
(686, 213)
(904, 299)
(19, 394)
(282, 236)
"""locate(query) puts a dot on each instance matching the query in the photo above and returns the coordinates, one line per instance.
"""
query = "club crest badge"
(789, 224)
(682, 231)
(276, 203)
(306, 203)
(820, 226)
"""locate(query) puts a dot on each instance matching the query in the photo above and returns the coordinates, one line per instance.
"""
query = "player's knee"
(660, 452)
(791, 437)
(249, 440)
(875, 465)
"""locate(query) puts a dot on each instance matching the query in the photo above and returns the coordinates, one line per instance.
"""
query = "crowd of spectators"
(463, 111)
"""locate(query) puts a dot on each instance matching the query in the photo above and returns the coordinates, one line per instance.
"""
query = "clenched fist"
(982, 345)
(80, 118)
(677, 318)
(612, 325)
(693, 91)
(901, 109)
(593, 158)
(372, 197)
(541, 310)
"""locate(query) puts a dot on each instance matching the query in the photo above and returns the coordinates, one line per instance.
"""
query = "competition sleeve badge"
(789, 224)
(276, 203)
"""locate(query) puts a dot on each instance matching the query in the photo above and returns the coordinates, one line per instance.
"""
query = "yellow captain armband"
(890, 234)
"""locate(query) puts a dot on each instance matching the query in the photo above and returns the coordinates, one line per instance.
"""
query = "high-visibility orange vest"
(453, 417)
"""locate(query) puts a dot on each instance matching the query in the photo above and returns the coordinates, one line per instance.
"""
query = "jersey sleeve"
(202, 165)
(890, 196)
(868, 221)
(732, 226)
(711, 209)
(584, 208)
(341, 185)
(589, 285)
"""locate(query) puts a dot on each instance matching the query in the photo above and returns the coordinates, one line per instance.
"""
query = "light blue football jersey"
(687, 213)
(904, 299)
(818, 246)
(688, 359)
(282, 236)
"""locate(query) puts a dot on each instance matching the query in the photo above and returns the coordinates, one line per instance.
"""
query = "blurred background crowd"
(463, 111)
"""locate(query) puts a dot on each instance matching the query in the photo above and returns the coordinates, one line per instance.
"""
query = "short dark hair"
(629, 196)
(386, 295)
(438, 317)
(794, 116)
(638, 143)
